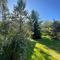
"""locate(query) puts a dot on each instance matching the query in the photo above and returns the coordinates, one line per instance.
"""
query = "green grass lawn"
(44, 49)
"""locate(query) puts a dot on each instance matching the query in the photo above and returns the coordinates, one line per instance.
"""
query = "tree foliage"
(35, 27)
(55, 32)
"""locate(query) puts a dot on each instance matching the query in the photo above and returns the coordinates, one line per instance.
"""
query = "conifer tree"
(36, 28)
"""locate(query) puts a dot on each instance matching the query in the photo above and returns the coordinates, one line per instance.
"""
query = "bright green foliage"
(46, 28)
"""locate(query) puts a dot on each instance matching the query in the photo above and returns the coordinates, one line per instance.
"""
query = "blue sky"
(47, 9)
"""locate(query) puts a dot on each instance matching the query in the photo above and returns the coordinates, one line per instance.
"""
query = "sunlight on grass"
(48, 51)
(40, 51)
(42, 47)
(47, 36)
(37, 55)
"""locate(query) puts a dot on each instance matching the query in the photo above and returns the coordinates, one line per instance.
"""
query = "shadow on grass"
(30, 47)
(53, 44)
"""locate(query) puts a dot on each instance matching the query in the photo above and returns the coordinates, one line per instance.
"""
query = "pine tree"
(36, 28)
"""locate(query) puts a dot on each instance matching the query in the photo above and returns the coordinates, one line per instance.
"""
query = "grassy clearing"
(45, 49)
